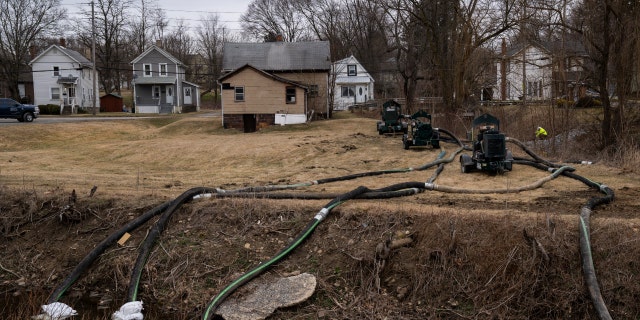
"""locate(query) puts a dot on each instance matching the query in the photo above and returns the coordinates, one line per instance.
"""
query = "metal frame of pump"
(393, 121)
(489, 150)
(420, 132)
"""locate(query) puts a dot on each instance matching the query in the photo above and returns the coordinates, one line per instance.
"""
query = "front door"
(187, 95)
(169, 90)
(360, 94)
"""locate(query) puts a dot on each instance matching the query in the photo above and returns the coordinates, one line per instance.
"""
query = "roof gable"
(569, 47)
(159, 50)
(340, 70)
(278, 56)
(73, 55)
(263, 73)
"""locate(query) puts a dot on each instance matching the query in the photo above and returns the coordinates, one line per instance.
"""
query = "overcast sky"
(190, 11)
(229, 11)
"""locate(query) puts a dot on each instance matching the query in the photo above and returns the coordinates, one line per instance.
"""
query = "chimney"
(159, 43)
(63, 42)
(32, 51)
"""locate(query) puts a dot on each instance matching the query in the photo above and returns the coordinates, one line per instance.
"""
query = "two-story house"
(541, 71)
(274, 83)
(63, 77)
(352, 83)
(159, 84)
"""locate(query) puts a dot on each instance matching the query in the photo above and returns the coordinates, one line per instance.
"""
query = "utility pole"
(93, 56)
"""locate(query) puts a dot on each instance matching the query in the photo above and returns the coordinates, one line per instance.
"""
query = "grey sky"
(190, 11)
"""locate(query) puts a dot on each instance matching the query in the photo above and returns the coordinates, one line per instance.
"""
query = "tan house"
(274, 83)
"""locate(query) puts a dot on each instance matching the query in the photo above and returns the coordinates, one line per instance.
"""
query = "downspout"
(326, 92)
(176, 99)
(221, 105)
(503, 71)
(306, 101)
(135, 100)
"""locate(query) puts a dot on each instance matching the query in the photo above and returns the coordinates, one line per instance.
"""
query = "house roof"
(72, 54)
(357, 79)
(112, 95)
(277, 56)
(161, 51)
(155, 80)
(266, 74)
(572, 48)
(191, 84)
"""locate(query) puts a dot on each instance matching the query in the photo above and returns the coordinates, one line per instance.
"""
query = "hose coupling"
(321, 214)
(429, 186)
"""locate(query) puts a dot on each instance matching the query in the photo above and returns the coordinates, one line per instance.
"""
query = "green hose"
(321, 215)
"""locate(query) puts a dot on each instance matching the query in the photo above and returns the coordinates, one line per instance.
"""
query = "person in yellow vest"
(541, 134)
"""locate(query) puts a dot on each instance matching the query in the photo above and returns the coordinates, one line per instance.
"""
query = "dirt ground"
(456, 256)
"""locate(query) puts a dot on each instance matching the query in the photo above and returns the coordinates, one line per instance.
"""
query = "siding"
(44, 80)
(318, 103)
(263, 95)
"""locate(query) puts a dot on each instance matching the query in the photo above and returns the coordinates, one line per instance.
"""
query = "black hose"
(100, 248)
(588, 268)
(155, 232)
(531, 153)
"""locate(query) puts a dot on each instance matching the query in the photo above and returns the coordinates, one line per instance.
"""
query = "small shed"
(111, 102)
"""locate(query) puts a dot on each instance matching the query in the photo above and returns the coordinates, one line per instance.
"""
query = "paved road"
(58, 119)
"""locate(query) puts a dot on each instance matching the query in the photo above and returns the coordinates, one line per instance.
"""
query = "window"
(313, 90)
(348, 92)
(540, 88)
(155, 92)
(147, 70)
(239, 93)
(55, 93)
(56, 71)
(291, 94)
(163, 69)
(351, 70)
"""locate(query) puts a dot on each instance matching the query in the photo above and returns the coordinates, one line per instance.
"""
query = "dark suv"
(12, 109)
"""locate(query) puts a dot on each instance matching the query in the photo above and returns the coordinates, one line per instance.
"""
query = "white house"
(353, 84)
(63, 77)
(549, 70)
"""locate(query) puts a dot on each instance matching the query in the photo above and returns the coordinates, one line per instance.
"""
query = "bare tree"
(141, 25)
(179, 42)
(266, 19)
(110, 25)
(22, 22)
(211, 36)
(603, 26)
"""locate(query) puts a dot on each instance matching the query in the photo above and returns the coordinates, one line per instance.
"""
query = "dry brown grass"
(468, 258)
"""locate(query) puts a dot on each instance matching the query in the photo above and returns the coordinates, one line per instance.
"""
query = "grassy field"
(466, 258)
